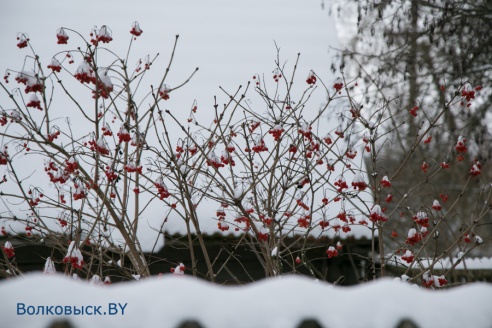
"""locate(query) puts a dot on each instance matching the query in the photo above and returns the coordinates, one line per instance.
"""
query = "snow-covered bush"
(90, 147)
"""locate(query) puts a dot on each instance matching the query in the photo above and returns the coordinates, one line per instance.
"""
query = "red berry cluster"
(62, 222)
(74, 261)
(257, 82)
(99, 146)
(106, 131)
(6, 76)
(4, 156)
(179, 151)
(221, 214)
(300, 203)
(54, 135)
(132, 168)
(193, 150)
(242, 219)
(214, 161)
(102, 89)
(110, 173)
(276, 132)
(433, 281)
(161, 188)
(361, 185)
(84, 73)
(102, 35)
(55, 66)
(253, 125)
(80, 192)
(305, 130)
(339, 131)
(179, 270)
(414, 110)
(341, 184)
(55, 174)
(342, 216)
(351, 153)
(408, 256)
(338, 84)
(8, 249)
(311, 79)
(413, 237)
(164, 91)
(35, 198)
(222, 225)
(421, 219)
(331, 252)
(436, 206)
(377, 215)
(461, 145)
(34, 102)
(123, 135)
(324, 224)
(276, 74)
(227, 159)
(424, 166)
(260, 147)
(327, 139)
(304, 221)
(23, 40)
(62, 36)
(267, 221)
(476, 169)
(136, 30)
(468, 95)
(262, 236)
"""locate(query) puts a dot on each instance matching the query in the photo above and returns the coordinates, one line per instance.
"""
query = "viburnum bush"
(278, 171)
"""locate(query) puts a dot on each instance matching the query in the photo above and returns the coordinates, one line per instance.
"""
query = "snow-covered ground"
(281, 302)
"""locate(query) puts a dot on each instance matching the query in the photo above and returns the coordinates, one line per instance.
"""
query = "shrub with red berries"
(277, 175)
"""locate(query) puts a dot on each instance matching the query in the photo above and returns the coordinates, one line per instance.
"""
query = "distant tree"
(410, 55)
(413, 49)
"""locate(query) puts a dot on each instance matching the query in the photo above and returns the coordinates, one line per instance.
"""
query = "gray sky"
(229, 40)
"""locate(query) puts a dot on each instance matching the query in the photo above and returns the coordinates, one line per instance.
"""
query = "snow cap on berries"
(49, 267)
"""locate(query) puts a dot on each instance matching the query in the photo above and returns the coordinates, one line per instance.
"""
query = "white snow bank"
(282, 302)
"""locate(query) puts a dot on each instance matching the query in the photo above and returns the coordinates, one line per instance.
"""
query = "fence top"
(278, 302)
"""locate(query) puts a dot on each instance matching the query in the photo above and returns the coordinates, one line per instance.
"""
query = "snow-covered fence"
(288, 302)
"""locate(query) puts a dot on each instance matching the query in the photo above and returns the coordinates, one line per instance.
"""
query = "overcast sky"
(229, 41)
